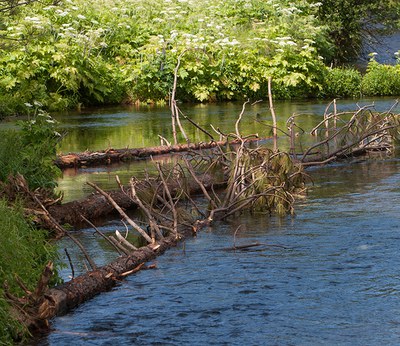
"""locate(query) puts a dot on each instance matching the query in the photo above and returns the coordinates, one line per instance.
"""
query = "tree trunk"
(106, 157)
(96, 206)
(61, 299)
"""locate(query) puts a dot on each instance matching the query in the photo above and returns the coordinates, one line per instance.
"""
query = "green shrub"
(104, 52)
(31, 151)
(381, 80)
(23, 252)
(342, 82)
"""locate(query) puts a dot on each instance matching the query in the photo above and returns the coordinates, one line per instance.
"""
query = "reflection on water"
(73, 183)
(139, 127)
(335, 282)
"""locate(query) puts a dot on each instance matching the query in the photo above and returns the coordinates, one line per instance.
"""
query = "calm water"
(138, 127)
(132, 127)
(336, 282)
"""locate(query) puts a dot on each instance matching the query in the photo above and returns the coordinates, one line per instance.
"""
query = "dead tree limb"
(272, 109)
(121, 212)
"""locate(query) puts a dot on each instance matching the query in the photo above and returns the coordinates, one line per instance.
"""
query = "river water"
(333, 280)
(329, 275)
(139, 127)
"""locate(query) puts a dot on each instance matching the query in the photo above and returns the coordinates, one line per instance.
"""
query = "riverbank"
(78, 54)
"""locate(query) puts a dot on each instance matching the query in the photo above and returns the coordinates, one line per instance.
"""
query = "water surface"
(335, 282)
(122, 127)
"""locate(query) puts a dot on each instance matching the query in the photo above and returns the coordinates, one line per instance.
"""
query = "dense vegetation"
(32, 150)
(73, 52)
(24, 249)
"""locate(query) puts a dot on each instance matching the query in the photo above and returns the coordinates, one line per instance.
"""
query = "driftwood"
(106, 157)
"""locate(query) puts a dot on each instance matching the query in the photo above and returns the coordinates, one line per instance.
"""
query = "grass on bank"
(24, 249)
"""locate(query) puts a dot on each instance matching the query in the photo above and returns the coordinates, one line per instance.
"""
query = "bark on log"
(97, 207)
(94, 207)
(106, 157)
(62, 298)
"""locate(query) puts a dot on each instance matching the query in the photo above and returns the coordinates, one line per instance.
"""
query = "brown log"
(94, 207)
(97, 207)
(106, 157)
(62, 298)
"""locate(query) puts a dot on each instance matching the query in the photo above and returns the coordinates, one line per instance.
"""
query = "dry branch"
(121, 212)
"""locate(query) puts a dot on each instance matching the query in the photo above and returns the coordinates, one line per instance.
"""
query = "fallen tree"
(342, 135)
(109, 156)
(254, 179)
(257, 179)
(35, 308)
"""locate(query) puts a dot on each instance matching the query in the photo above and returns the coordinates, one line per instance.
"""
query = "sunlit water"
(139, 127)
(328, 276)
(335, 281)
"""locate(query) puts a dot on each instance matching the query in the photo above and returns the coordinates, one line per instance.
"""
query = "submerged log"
(106, 157)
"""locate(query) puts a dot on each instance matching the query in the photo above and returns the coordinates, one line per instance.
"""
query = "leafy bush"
(381, 79)
(78, 52)
(23, 249)
(342, 82)
(103, 52)
(23, 252)
(32, 150)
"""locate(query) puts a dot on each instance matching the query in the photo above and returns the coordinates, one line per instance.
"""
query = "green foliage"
(32, 150)
(23, 252)
(342, 82)
(69, 53)
(102, 52)
(381, 80)
(350, 20)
